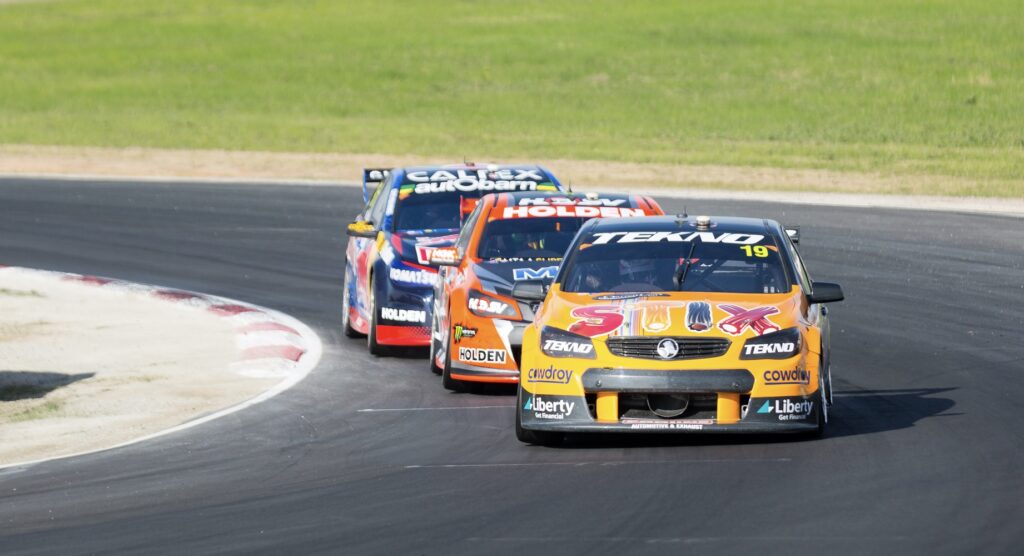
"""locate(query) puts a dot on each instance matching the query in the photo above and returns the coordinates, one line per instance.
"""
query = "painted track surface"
(924, 454)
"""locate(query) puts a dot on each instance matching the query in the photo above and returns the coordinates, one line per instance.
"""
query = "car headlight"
(483, 305)
(776, 345)
(555, 342)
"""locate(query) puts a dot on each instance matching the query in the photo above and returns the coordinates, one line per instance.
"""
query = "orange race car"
(676, 324)
(477, 328)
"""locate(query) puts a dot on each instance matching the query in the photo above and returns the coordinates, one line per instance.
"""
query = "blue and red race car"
(389, 280)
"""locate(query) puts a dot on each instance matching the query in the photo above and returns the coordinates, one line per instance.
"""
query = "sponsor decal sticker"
(601, 238)
(403, 315)
(656, 317)
(442, 255)
(778, 345)
(756, 319)
(426, 245)
(405, 190)
(625, 296)
(522, 259)
(548, 272)
(543, 201)
(437, 240)
(787, 376)
(562, 348)
(409, 276)
(698, 316)
(506, 179)
(769, 349)
(549, 408)
(423, 254)
(474, 355)
(596, 320)
(482, 174)
(487, 306)
(786, 409)
(549, 375)
(655, 424)
(459, 332)
(559, 343)
(571, 211)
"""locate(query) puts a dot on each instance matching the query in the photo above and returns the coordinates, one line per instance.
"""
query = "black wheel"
(828, 385)
(434, 326)
(446, 373)
(823, 404)
(346, 323)
(371, 335)
(543, 438)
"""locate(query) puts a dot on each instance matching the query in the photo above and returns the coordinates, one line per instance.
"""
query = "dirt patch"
(694, 181)
(83, 367)
(97, 161)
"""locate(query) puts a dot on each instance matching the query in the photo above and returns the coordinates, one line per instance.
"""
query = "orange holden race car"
(676, 324)
(476, 329)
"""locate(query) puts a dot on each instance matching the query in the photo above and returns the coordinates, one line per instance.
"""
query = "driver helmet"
(640, 270)
(533, 241)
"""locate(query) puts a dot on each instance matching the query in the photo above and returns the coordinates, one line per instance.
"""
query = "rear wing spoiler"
(374, 176)
(466, 206)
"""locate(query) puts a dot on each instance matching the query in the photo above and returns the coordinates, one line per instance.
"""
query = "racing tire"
(433, 347)
(447, 381)
(542, 438)
(371, 334)
(828, 385)
(823, 404)
(346, 323)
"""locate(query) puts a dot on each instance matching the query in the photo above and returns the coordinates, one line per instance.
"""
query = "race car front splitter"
(790, 414)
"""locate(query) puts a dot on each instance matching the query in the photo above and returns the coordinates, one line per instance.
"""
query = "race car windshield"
(528, 238)
(693, 266)
(431, 211)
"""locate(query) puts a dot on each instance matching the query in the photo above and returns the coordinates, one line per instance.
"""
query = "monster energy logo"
(459, 332)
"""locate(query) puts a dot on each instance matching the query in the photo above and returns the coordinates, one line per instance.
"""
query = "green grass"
(49, 408)
(896, 87)
(20, 293)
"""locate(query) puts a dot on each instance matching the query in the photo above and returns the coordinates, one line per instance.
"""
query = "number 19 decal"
(759, 251)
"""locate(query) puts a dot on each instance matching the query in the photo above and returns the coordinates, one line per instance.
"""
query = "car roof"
(513, 197)
(672, 223)
(470, 166)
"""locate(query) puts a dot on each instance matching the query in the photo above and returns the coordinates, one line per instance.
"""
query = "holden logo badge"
(668, 348)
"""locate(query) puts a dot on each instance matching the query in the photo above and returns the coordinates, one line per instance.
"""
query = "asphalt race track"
(924, 453)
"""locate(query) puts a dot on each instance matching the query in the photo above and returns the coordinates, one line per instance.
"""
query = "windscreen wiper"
(679, 278)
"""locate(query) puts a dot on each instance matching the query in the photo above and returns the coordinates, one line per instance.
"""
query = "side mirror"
(824, 292)
(362, 228)
(794, 233)
(444, 256)
(530, 291)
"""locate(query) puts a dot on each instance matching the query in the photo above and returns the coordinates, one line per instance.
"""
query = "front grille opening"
(701, 406)
(646, 347)
(634, 406)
